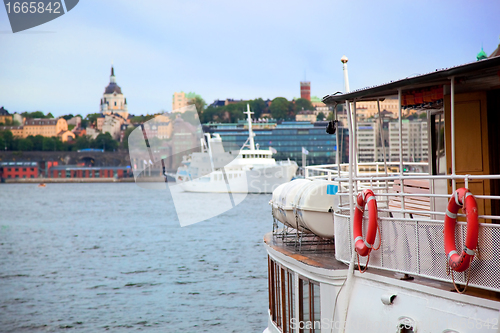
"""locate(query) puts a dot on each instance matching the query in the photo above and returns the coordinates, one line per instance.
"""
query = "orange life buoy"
(363, 247)
(461, 198)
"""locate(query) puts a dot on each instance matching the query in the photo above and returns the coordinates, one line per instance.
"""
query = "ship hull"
(258, 180)
(374, 301)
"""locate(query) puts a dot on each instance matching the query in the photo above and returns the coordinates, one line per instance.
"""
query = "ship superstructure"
(248, 170)
(403, 251)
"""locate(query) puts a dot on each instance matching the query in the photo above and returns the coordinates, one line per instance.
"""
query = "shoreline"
(66, 180)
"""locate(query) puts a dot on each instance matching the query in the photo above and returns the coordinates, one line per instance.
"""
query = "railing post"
(452, 102)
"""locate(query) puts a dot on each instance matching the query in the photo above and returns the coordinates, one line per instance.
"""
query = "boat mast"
(250, 132)
(350, 272)
(346, 78)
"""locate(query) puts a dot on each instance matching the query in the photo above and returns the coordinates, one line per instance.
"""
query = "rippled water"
(96, 257)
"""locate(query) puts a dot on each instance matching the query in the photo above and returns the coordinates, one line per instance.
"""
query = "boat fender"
(364, 247)
(461, 198)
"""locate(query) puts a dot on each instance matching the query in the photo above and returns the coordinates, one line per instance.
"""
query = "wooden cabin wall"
(472, 148)
(493, 107)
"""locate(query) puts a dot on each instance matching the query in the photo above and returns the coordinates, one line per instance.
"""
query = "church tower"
(113, 101)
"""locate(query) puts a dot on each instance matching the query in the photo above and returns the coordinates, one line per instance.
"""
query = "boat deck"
(321, 253)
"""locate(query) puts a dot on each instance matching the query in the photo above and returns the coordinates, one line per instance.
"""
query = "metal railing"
(411, 238)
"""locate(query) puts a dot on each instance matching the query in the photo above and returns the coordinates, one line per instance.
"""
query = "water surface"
(97, 257)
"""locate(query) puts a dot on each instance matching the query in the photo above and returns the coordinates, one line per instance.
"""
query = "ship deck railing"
(412, 239)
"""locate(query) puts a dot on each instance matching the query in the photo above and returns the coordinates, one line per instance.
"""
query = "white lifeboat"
(275, 203)
(314, 207)
(286, 201)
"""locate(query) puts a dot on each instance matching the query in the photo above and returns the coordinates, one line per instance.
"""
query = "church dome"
(113, 88)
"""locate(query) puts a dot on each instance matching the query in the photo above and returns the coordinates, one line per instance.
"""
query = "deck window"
(309, 302)
(281, 296)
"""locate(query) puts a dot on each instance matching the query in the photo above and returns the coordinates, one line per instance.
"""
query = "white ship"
(383, 252)
(248, 170)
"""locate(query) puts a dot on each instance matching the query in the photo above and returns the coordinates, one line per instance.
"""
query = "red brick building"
(9, 170)
(75, 171)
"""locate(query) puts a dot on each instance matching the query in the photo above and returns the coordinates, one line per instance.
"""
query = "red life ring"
(461, 198)
(364, 247)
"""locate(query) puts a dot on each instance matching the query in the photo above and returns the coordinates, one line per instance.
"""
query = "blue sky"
(232, 49)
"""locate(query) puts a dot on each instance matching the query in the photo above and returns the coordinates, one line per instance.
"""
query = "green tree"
(68, 116)
(48, 144)
(37, 142)
(91, 118)
(303, 104)
(49, 115)
(279, 108)
(2, 143)
(199, 103)
(258, 106)
(211, 114)
(8, 139)
(320, 116)
(234, 112)
(35, 114)
(24, 145)
(82, 142)
(105, 141)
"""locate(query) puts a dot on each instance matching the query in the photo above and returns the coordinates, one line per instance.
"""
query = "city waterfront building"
(47, 127)
(367, 137)
(181, 99)
(112, 125)
(415, 140)
(66, 135)
(17, 131)
(79, 131)
(92, 132)
(77, 171)
(76, 121)
(317, 103)
(368, 109)
(9, 170)
(287, 138)
(5, 117)
(113, 100)
(306, 115)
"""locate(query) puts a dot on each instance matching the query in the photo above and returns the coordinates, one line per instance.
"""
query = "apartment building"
(48, 127)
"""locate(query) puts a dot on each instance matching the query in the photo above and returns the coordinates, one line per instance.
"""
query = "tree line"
(278, 108)
(41, 143)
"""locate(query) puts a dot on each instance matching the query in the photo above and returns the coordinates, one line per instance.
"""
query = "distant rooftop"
(3, 112)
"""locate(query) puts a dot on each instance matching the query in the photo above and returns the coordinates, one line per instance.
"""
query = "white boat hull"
(257, 180)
